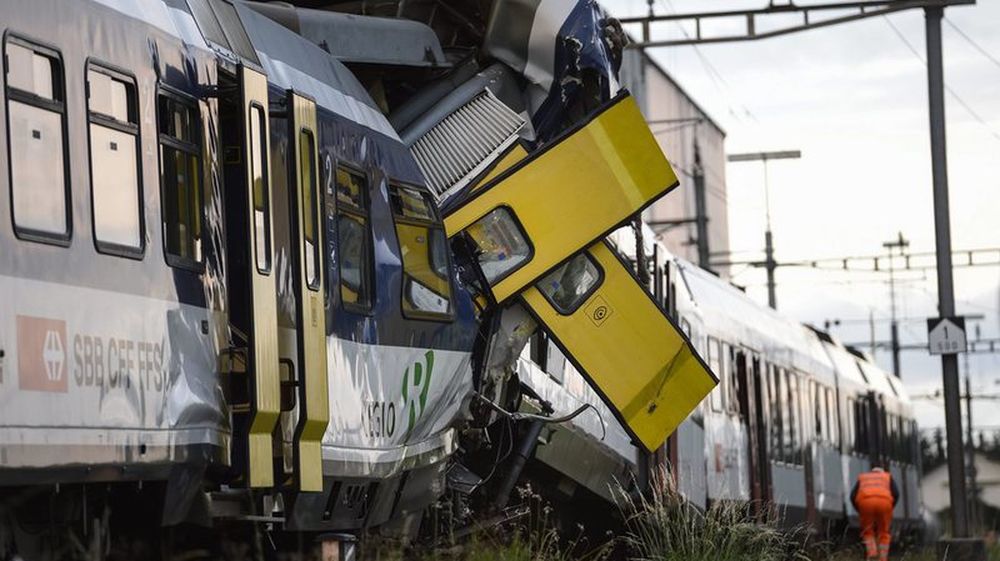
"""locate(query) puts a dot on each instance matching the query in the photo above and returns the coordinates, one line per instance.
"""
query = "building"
(687, 134)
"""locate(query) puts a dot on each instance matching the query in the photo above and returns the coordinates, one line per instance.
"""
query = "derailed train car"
(794, 420)
(267, 270)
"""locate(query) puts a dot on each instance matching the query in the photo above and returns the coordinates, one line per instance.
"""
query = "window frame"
(435, 223)
(520, 228)
(318, 204)
(366, 215)
(134, 129)
(716, 402)
(778, 410)
(730, 362)
(165, 90)
(265, 163)
(586, 295)
(12, 93)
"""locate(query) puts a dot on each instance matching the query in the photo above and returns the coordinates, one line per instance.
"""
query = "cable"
(954, 94)
(518, 416)
(976, 45)
(710, 69)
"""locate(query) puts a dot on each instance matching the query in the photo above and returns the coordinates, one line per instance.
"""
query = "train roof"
(293, 62)
(290, 61)
(736, 318)
(861, 370)
(846, 363)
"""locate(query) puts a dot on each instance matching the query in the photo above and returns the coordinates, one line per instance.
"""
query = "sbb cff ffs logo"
(41, 354)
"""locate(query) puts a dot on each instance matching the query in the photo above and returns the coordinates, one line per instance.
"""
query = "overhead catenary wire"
(965, 105)
(713, 73)
(971, 41)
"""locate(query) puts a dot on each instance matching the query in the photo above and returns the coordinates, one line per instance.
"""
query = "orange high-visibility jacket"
(874, 485)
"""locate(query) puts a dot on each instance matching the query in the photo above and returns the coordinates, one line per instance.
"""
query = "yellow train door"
(562, 198)
(251, 371)
(310, 280)
(622, 342)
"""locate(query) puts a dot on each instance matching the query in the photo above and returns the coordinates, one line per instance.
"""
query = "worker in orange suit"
(874, 496)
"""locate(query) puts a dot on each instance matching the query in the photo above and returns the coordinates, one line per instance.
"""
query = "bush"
(663, 526)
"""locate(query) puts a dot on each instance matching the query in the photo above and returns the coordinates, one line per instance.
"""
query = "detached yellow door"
(545, 207)
(627, 347)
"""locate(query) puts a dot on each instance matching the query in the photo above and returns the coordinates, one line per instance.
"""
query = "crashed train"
(267, 270)
(794, 420)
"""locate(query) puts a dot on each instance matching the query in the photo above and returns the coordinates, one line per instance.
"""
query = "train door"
(252, 360)
(760, 467)
(744, 407)
(810, 448)
(601, 317)
(516, 224)
(307, 384)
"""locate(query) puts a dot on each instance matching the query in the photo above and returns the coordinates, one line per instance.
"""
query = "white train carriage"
(795, 418)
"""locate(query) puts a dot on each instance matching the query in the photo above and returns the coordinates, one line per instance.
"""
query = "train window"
(819, 411)
(792, 420)
(261, 189)
(861, 426)
(900, 439)
(538, 350)
(36, 128)
(423, 248)
(832, 417)
(733, 391)
(666, 288)
(502, 243)
(310, 228)
(778, 409)
(714, 354)
(354, 239)
(180, 180)
(569, 286)
(116, 187)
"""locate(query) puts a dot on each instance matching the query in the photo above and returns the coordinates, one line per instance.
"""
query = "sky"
(853, 99)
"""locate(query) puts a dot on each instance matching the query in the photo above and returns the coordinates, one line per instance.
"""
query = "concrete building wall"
(660, 98)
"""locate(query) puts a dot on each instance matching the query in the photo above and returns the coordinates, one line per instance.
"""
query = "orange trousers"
(876, 517)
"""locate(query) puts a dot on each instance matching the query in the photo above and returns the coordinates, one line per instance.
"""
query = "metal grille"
(456, 149)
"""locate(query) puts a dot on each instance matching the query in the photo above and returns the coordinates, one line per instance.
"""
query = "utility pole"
(901, 243)
(769, 263)
(946, 289)
(871, 329)
(970, 446)
(856, 10)
(700, 210)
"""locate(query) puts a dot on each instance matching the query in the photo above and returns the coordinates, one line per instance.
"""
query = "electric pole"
(946, 289)
(900, 243)
(970, 445)
(769, 263)
(852, 10)
(700, 210)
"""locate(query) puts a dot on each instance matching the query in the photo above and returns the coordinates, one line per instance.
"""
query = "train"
(276, 276)
(796, 416)
(267, 270)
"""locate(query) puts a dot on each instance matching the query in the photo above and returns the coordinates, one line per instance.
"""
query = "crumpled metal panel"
(353, 38)
(560, 47)
(391, 406)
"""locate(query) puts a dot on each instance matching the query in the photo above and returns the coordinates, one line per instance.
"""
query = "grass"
(659, 526)
(663, 526)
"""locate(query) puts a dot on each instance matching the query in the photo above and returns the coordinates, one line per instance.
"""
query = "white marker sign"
(946, 335)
